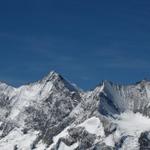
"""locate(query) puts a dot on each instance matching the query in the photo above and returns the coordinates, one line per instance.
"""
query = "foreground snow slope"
(53, 114)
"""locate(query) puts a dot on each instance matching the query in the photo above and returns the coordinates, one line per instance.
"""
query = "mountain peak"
(52, 76)
(53, 73)
(57, 79)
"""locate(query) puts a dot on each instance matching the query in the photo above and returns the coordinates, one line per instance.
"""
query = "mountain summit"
(53, 114)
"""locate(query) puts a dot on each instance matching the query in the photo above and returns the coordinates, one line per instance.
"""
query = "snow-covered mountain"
(53, 114)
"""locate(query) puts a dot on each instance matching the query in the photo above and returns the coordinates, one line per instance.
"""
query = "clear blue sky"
(86, 41)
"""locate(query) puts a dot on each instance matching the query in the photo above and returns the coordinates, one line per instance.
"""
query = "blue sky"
(85, 41)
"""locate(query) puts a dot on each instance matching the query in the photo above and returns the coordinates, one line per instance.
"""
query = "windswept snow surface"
(132, 124)
(16, 137)
(93, 126)
(26, 95)
(65, 147)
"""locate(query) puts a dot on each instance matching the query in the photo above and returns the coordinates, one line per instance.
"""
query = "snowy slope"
(53, 114)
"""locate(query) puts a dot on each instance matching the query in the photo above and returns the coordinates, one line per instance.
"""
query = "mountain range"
(54, 114)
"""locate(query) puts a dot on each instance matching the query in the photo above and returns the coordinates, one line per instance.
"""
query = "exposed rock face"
(144, 141)
(52, 114)
(122, 98)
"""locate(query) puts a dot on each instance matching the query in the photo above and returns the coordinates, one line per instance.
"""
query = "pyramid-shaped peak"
(53, 73)
(52, 76)
(58, 80)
